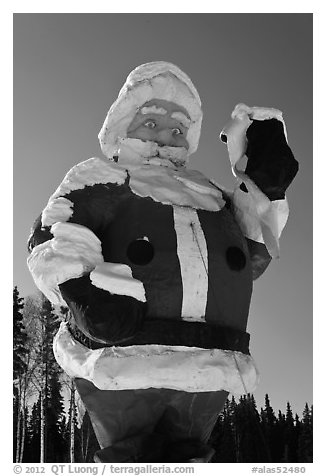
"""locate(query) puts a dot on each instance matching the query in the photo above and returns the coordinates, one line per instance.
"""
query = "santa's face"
(163, 122)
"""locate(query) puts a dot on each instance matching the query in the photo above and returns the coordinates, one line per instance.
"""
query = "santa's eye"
(176, 131)
(150, 124)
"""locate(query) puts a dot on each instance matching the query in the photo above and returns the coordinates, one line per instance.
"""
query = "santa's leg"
(188, 422)
(124, 422)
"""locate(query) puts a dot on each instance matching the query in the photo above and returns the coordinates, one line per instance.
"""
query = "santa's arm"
(67, 264)
(259, 202)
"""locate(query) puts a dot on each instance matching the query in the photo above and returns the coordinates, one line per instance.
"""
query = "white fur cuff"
(73, 251)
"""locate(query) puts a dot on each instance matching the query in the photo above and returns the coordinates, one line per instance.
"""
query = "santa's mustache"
(177, 155)
(150, 150)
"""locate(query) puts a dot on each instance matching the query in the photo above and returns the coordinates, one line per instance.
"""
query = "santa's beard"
(137, 150)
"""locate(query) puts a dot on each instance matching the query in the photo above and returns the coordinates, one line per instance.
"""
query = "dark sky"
(68, 69)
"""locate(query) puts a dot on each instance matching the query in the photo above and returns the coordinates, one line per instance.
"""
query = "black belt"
(178, 333)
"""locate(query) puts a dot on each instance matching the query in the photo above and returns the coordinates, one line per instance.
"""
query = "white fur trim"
(250, 212)
(73, 251)
(192, 255)
(117, 279)
(259, 114)
(157, 80)
(90, 172)
(235, 130)
(182, 187)
(189, 369)
(58, 209)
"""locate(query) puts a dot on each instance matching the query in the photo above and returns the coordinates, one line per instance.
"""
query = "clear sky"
(68, 69)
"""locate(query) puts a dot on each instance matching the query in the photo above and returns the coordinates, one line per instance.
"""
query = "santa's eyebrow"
(185, 121)
(153, 110)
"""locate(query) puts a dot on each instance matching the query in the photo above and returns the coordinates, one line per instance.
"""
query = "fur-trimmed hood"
(156, 80)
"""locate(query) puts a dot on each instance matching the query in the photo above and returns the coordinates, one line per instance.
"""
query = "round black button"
(235, 258)
(140, 252)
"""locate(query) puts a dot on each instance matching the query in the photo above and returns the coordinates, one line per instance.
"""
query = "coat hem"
(182, 368)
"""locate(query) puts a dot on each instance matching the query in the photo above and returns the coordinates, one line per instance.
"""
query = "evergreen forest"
(51, 426)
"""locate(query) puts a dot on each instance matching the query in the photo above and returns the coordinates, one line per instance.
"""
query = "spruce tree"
(253, 447)
(305, 443)
(268, 425)
(32, 453)
(296, 435)
(223, 437)
(280, 432)
(290, 450)
(56, 444)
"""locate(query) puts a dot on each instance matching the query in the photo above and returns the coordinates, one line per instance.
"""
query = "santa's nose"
(165, 137)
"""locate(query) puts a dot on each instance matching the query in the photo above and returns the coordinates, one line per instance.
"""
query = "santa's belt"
(178, 333)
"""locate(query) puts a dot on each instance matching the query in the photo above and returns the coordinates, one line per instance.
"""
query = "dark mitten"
(271, 164)
(100, 315)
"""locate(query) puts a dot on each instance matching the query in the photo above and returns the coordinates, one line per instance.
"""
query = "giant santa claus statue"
(156, 264)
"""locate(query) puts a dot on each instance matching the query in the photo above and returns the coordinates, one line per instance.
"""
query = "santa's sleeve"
(259, 202)
(66, 259)
(65, 240)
